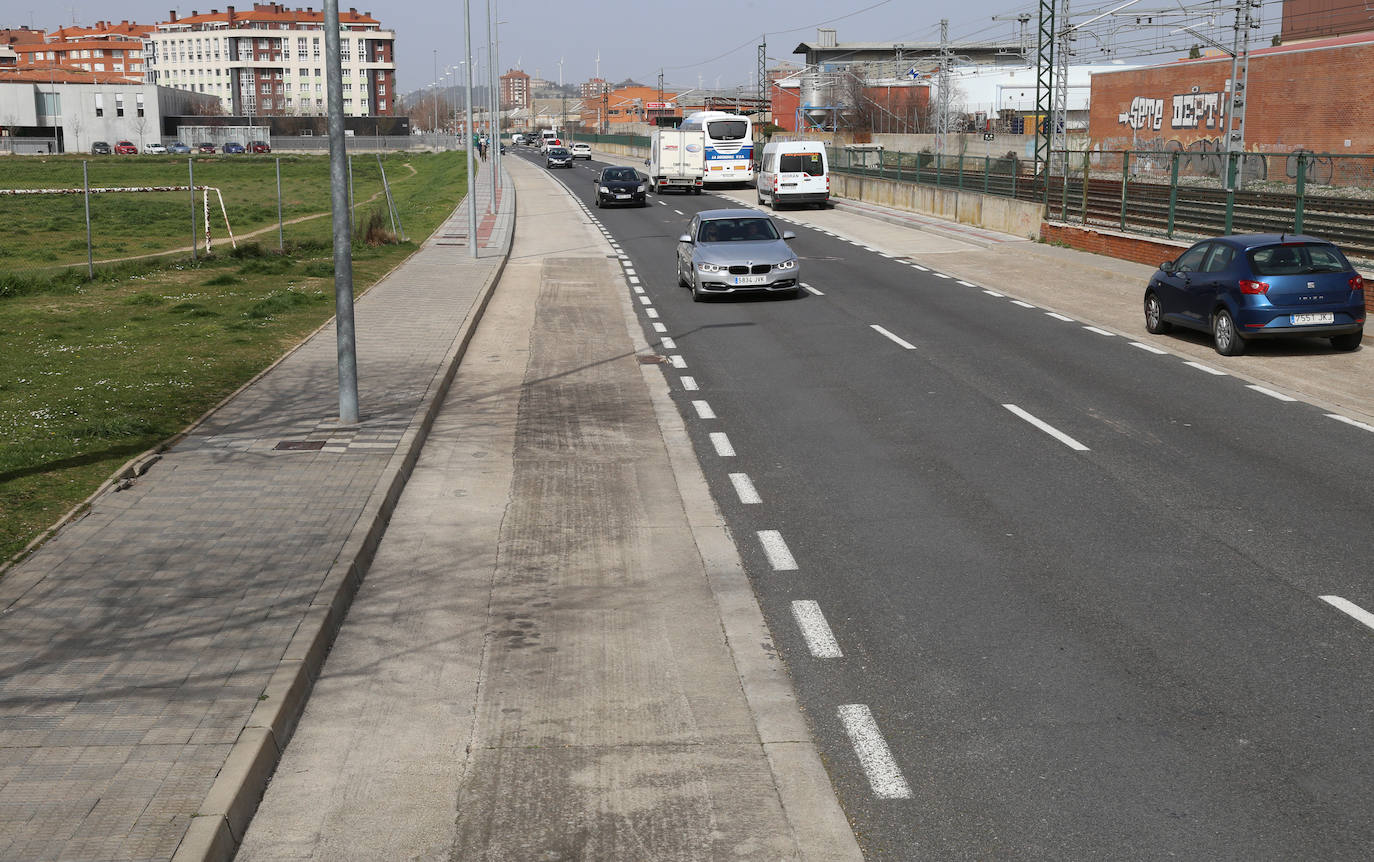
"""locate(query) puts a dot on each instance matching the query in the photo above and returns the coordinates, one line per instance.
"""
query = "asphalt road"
(1075, 585)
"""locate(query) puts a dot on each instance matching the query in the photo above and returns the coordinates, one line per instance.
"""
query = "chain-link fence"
(68, 218)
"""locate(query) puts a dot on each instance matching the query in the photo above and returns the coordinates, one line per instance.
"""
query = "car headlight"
(787, 264)
(603, 190)
(641, 187)
(710, 267)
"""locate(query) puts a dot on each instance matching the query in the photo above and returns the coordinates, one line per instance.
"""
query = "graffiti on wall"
(1190, 111)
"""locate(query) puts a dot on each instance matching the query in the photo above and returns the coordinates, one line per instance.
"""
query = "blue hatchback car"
(1252, 286)
(234, 147)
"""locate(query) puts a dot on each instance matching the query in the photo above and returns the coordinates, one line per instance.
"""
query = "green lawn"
(97, 371)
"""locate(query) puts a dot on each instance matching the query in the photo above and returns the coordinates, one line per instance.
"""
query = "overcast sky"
(711, 42)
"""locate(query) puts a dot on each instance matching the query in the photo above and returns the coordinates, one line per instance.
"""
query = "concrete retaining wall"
(1019, 218)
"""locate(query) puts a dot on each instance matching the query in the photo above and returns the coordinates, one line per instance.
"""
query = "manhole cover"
(300, 445)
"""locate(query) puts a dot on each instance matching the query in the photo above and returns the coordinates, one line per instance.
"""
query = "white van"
(794, 172)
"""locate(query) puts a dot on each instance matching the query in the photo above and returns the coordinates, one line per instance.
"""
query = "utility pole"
(1240, 73)
(342, 222)
(435, 93)
(1059, 120)
(763, 89)
(1044, 80)
(942, 118)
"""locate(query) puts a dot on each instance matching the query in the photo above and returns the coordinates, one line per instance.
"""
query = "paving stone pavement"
(155, 654)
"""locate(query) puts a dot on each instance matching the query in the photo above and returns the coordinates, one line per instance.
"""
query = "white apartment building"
(270, 61)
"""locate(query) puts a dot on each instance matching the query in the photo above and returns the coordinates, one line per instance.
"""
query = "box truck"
(677, 160)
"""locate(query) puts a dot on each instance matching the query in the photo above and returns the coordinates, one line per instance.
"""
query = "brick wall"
(1314, 99)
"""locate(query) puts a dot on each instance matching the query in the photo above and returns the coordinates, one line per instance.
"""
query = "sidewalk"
(155, 655)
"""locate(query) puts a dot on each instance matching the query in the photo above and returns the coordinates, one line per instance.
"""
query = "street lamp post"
(467, 132)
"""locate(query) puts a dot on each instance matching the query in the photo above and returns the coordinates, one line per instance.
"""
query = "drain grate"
(301, 445)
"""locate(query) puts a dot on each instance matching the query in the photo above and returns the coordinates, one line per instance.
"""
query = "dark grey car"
(736, 251)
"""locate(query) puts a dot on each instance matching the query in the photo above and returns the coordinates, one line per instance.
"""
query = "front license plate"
(1308, 319)
(750, 279)
(622, 197)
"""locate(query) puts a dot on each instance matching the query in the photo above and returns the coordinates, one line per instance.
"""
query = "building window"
(100, 104)
(381, 106)
(98, 52)
(139, 97)
(119, 106)
(100, 67)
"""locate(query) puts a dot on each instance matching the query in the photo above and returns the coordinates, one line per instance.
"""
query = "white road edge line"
(994, 293)
(809, 289)
(689, 383)
(659, 327)
(1347, 420)
(668, 343)
(1149, 348)
(722, 444)
(1349, 607)
(1047, 428)
(677, 360)
(1271, 393)
(1209, 369)
(779, 557)
(704, 410)
(744, 488)
(883, 332)
(652, 312)
(1021, 303)
(875, 757)
(1094, 329)
(820, 640)
(1058, 316)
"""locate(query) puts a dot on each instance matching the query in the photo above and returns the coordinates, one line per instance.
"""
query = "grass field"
(97, 371)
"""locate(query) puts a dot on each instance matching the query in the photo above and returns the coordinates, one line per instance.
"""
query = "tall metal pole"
(496, 96)
(281, 240)
(343, 222)
(468, 132)
(491, 103)
(434, 91)
(90, 253)
(943, 111)
(191, 172)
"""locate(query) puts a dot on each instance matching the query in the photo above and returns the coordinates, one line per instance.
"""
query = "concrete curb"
(219, 824)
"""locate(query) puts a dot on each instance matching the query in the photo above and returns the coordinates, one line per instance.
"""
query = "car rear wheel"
(1350, 341)
(1154, 315)
(1224, 336)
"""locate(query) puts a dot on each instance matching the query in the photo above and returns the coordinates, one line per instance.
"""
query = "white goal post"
(111, 189)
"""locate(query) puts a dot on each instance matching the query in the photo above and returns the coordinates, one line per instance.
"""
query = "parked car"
(101, 148)
(178, 147)
(1253, 286)
(234, 147)
(259, 147)
(581, 151)
(557, 157)
(618, 185)
(154, 148)
(126, 148)
(206, 148)
(731, 251)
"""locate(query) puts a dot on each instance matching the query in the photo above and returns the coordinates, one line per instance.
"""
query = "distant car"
(619, 185)
(178, 147)
(736, 251)
(1253, 286)
(234, 147)
(259, 147)
(517, 139)
(126, 148)
(557, 157)
(101, 148)
(205, 148)
(155, 148)
(581, 151)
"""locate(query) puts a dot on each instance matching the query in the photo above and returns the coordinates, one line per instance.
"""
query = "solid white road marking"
(1271, 393)
(668, 343)
(1022, 304)
(1094, 329)
(809, 289)
(1350, 608)
(745, 489)
(689, 383)
(876, 328)
(722, 444)
(1149, 348)
(820, 640)
(1048, 429)
(1347, 420)
(677, 360)
(1209, 369)
(704, 410)
(779, 557)
(1059, 317)
(875, 757)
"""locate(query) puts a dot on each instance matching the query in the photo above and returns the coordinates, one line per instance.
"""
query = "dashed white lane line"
(638, 288)
(677, 361)
(884, 776)
(704, 410)
(722, 444)
(668, 343)
(644, 300)
(1149, 348)
(940, 275)
(634, 279)
(1347, 420)
(1349, 607)
(659, 327)
(1022, 304)
(779, 557)
(1096, 331)
(662, 204)
(1058, 316)
(652, 312)
(994, 293)
(744, 489)
(1047, 428)
(918, 266)
(820, 640)
(1209, 369)
(679, 212)
(1271, 393)
(883, 332)
(689, 383)
(966, 284)
(809, 289)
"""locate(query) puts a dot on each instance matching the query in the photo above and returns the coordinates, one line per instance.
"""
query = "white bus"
(729, 146)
